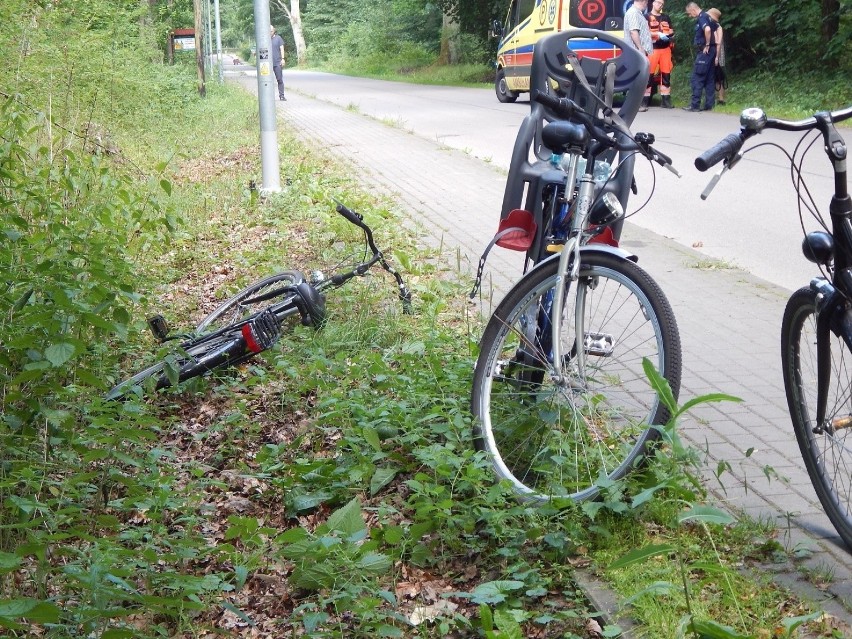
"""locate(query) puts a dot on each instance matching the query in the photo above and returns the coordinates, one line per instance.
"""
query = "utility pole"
(208, 36)
(266, 100)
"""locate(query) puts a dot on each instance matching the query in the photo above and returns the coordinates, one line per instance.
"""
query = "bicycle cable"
(804, 198)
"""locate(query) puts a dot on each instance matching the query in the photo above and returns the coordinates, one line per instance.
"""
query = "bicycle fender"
(616, 251)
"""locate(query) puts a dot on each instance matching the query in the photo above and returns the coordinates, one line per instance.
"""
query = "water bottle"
(603, 169)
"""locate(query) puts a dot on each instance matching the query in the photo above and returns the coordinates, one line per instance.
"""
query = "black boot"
(667, 102)
(644, 105)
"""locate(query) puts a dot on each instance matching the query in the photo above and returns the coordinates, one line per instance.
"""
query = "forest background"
(782, 38)
(778, 39)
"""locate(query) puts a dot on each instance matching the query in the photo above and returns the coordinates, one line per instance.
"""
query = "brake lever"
(671, 168)
(644, 141)
(715, 179)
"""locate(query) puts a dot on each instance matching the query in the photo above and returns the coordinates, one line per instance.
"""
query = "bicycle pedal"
(261, 332)
(599, 344)
(158, 326)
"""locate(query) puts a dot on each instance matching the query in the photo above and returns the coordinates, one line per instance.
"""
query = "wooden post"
(199, 46)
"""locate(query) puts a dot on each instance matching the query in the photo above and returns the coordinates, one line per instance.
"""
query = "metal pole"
(266, 87)
(219, 44)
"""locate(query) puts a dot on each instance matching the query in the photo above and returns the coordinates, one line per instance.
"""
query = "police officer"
(704, 70)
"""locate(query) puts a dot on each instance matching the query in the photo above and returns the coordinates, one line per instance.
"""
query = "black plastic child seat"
(530, 169)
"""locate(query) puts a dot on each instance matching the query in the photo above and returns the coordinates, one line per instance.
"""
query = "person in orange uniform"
(660, 60)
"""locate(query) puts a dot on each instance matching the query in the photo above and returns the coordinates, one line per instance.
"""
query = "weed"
(712, 265)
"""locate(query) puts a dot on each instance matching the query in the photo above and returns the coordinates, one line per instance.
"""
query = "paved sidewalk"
(729, 324)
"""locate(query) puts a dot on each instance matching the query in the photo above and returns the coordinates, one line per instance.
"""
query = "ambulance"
(529, 20)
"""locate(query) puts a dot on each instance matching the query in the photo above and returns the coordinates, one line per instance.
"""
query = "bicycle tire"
(198, 357)
(233, 310)
(538, 434)
(826, 452)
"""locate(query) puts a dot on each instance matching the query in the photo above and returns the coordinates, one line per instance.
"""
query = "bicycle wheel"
(235, 309)
(826, 448)
(554, 434)
(197, 358)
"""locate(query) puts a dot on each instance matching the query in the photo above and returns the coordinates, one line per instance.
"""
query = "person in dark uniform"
(704, 69)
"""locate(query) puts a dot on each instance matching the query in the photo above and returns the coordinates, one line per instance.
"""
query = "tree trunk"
(294, 16)
(449, 41)
(199, 47)
(830, 20)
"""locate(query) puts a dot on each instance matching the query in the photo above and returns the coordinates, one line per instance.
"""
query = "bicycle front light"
(607, 209)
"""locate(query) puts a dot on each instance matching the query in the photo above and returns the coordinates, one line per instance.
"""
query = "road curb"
(606, 603)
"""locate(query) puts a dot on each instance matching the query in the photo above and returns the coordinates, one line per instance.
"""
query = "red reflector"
(251, 342)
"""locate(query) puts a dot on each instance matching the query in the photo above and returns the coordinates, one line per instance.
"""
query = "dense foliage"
(810, 36)
(781, 35)
(793, 36)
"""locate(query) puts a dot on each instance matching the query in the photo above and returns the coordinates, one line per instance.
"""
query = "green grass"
(465, 75)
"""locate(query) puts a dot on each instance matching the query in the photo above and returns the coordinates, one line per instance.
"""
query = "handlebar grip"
(349, 214)
(564, 107)
(724, 150)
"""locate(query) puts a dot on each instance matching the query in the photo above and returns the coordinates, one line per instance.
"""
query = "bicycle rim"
(826, 450)
(555, 433)
(235, 309)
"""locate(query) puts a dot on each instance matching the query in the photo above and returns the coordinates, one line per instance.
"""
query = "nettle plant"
(71, 468)
(670, 478)
(70, 224)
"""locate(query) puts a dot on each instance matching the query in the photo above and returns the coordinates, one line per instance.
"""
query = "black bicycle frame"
(833, 315)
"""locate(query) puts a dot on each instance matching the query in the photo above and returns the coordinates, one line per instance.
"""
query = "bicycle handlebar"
(600, 129)
(570, 110)
(752, 122)
(378, 257)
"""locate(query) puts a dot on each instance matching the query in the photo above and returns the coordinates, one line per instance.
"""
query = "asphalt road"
(750, 221)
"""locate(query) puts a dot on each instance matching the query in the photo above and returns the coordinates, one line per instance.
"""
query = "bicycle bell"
(753, 119)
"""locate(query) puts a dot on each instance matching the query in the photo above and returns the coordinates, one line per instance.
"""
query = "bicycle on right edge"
(816, 330)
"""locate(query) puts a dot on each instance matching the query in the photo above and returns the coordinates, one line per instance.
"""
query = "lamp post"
(266, 100)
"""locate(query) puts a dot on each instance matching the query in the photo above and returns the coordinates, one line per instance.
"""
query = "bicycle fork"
(569, 267)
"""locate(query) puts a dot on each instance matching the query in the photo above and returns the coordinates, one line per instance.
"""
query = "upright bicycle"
(560, 396)
(252, 321)
(816, 330)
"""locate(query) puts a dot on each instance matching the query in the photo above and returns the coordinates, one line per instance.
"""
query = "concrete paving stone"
(769, 433)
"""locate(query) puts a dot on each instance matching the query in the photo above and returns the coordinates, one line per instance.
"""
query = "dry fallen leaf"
(594, 628)
(430, 613)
